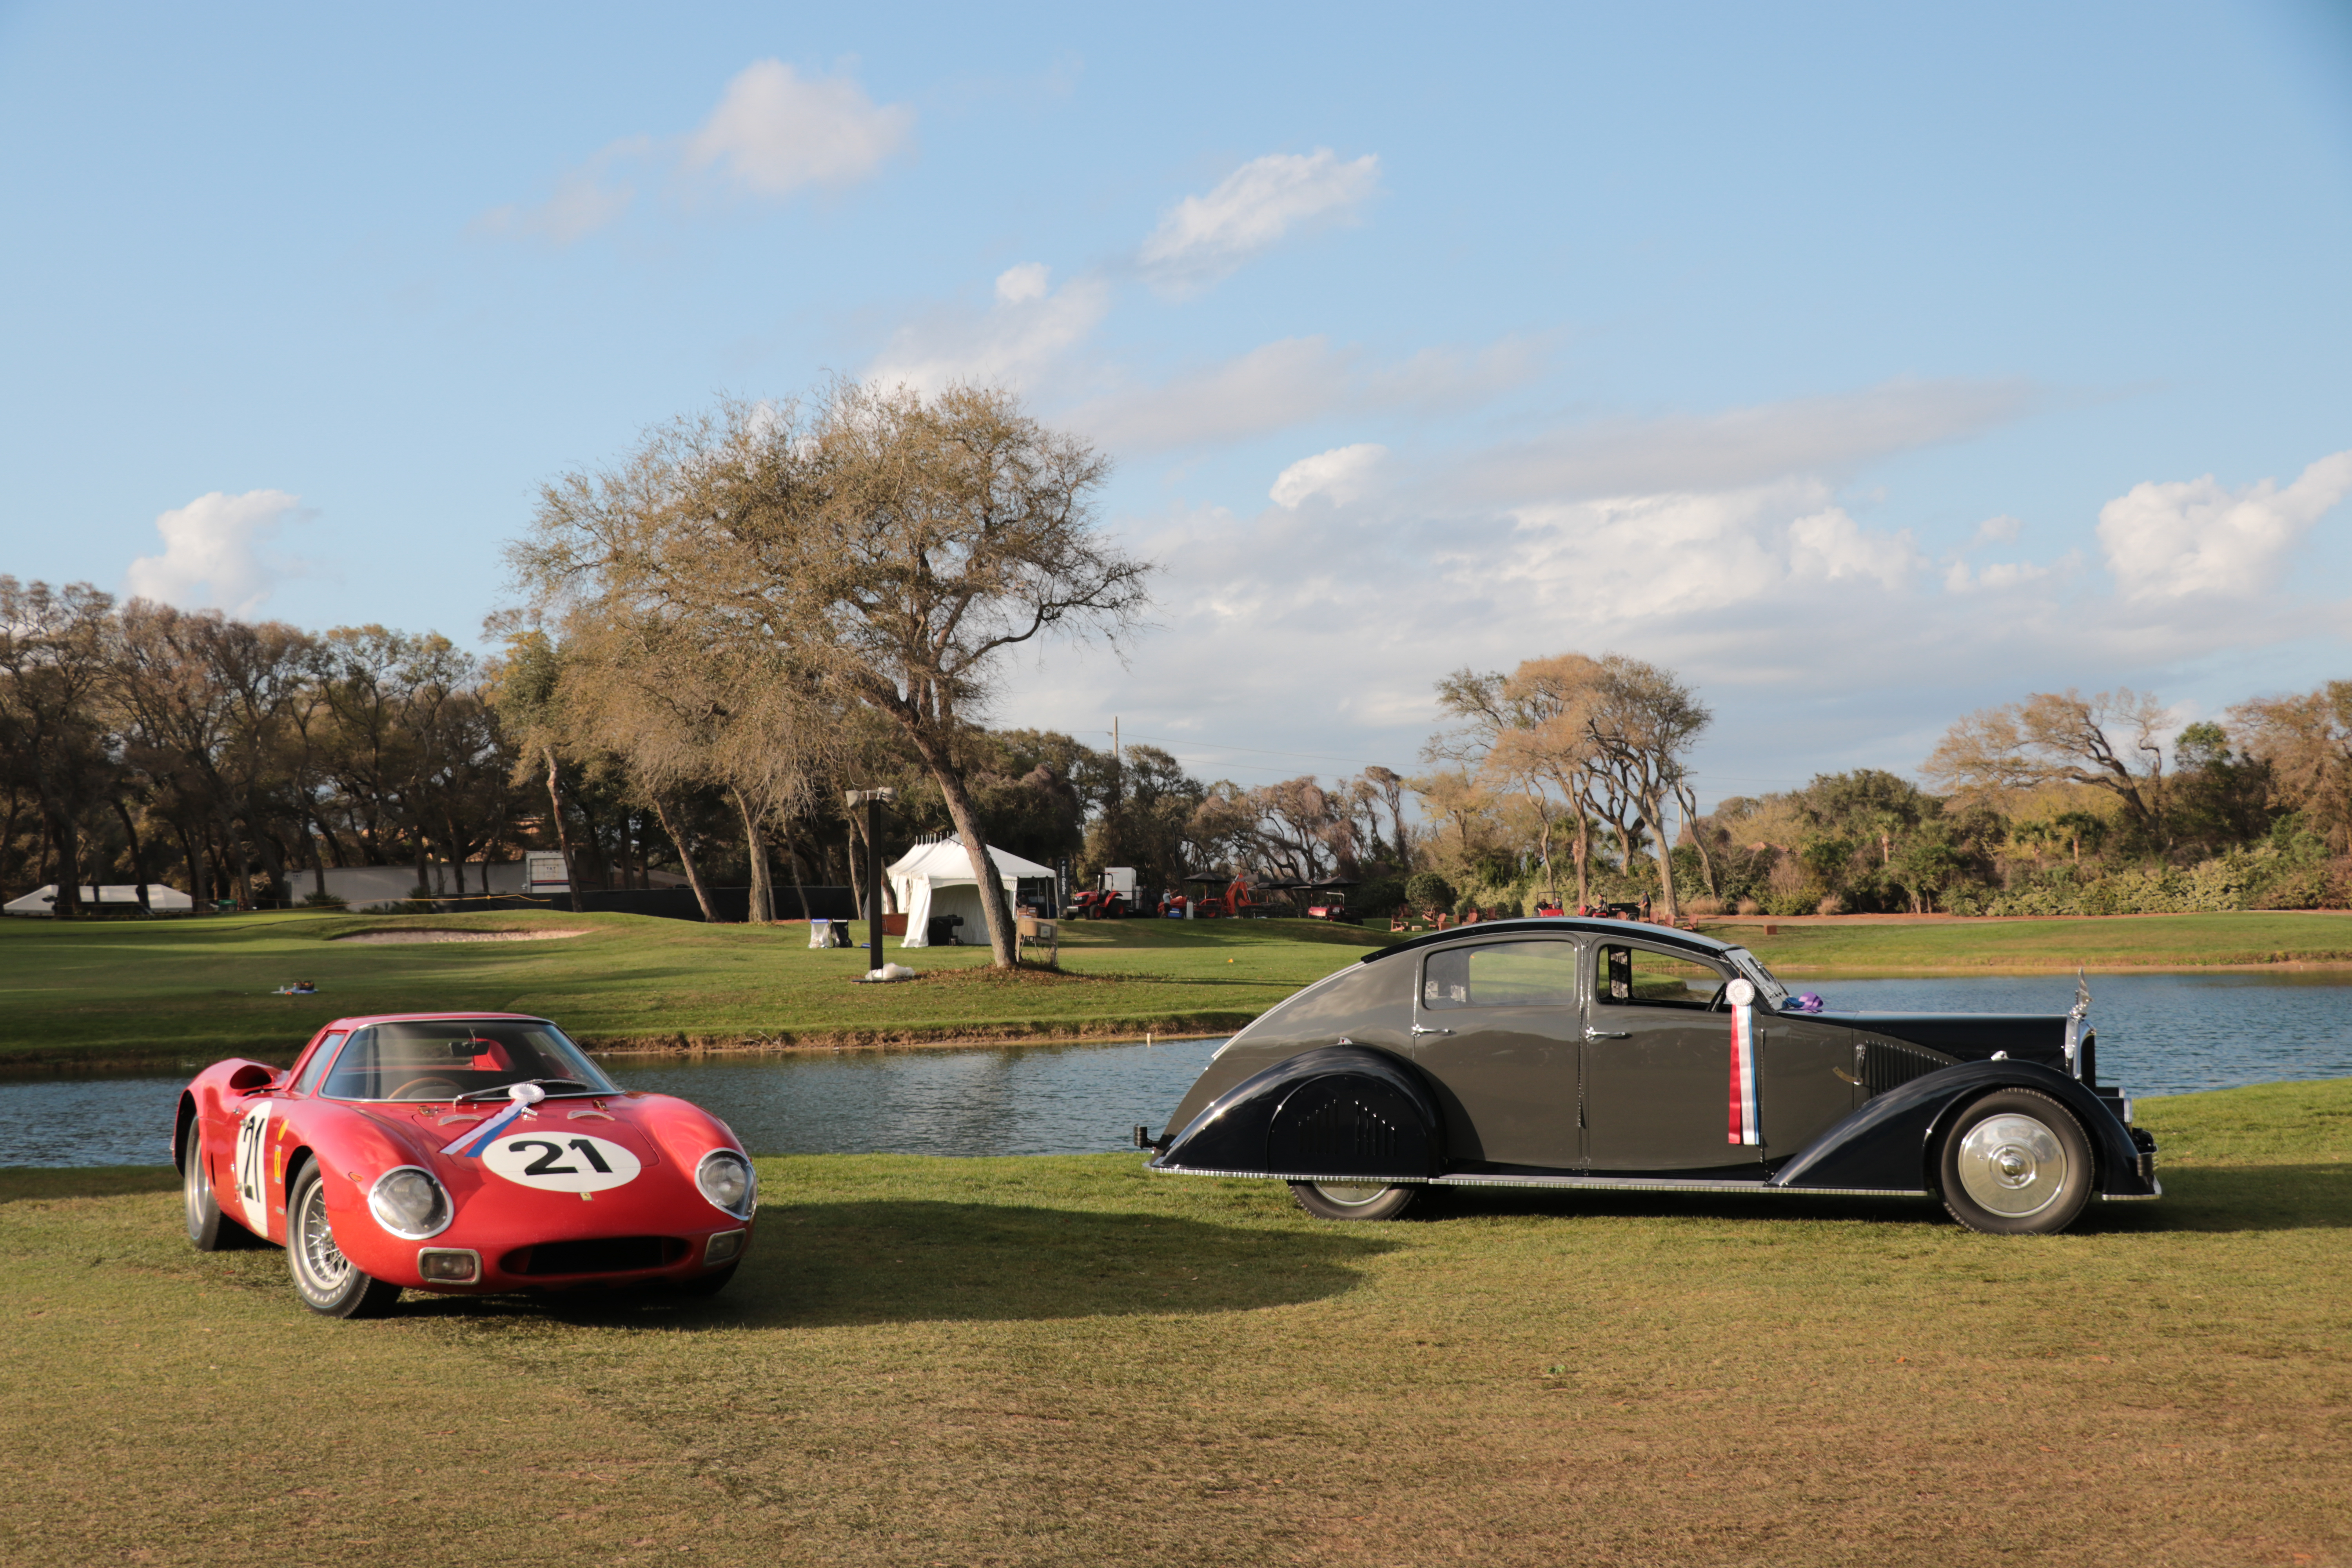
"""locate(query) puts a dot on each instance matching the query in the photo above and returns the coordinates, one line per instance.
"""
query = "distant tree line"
(759, 609)
(2058, 803)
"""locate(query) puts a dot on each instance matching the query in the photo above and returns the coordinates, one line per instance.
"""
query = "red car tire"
(327, 1281)
(209, 1231)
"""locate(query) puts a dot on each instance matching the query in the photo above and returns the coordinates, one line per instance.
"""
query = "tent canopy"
(936, 879)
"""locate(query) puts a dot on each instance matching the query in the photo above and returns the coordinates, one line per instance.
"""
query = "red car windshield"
(446, 1058)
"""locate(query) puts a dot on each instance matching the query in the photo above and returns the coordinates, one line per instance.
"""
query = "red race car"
(464, 1152)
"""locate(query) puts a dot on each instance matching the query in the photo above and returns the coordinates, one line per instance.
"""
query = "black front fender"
(1334, 1111)
(1889, 1144)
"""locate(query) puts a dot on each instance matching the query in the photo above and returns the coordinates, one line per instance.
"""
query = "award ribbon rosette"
(473, 1141)
(1746, 1126)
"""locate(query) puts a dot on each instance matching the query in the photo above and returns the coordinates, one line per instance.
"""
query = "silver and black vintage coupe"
(1606, 1054)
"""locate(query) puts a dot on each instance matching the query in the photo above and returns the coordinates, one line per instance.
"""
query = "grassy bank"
(177, 992)
(2130, 942)
(1073, 1362)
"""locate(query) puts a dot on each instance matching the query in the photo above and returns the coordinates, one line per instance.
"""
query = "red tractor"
(1111, 898)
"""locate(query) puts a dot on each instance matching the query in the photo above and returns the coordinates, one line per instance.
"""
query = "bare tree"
(2307, 742)
(1530, 732)
(1642, 722)
(54, 740)
(2111, 742)
(890, 547)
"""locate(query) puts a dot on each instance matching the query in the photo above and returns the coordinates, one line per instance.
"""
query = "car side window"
(1640, 976)
(317, 1066)
(1501, 974)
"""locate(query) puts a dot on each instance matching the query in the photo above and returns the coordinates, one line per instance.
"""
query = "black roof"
(1552, 925)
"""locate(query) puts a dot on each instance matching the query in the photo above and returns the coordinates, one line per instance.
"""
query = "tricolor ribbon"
(1746, 1127)
(475, 1139)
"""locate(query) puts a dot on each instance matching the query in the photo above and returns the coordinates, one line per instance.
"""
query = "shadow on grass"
(885, 1261)
(2215, 1198)
(19, 1184)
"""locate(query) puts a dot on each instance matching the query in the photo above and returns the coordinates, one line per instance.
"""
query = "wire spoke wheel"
(327, 1281)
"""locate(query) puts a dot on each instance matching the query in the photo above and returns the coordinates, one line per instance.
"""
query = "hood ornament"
(2074, 1016)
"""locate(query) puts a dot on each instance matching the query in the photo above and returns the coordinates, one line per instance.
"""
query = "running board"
(1593, 1183)
(1666, 1184)
(1604, 1184)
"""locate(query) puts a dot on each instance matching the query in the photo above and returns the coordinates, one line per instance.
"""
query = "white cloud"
(1822, 640)
(2192, 539)
(775, 132)
(1338, 476)
(1741, 447)
(2002, 576)
(2000, 529)
(1205, 237)
(1017, 340)
(1296, 381)
(213, 555)
(1019, 285)
(1833, 547)
(584, 200)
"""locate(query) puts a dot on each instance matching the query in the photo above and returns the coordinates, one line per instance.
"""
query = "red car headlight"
(727, 1179)
(407, 1202)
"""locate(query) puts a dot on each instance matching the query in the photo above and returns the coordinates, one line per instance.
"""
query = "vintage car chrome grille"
(603, 1255)
(1344, 1131)
(1882, 1065)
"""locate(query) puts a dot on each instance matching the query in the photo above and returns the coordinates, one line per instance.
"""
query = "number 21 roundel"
(562, 1162)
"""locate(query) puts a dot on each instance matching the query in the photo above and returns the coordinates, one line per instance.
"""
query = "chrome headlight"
(728, 1180)
(407, 1202)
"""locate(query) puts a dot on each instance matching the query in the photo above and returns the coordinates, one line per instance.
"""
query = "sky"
(1864, 364)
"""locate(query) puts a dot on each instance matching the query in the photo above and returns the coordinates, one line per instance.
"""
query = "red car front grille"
(603, 1255)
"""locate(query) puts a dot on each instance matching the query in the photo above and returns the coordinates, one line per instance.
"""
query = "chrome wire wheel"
(2016, 1163)
(2013, 1164)
(327, 1281)
(320, 1265)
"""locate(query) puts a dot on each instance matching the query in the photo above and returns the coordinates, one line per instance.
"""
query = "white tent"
(936, 879)
(42, 900)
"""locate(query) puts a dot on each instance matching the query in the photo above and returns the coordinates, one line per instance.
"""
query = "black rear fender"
(1889, 1144)
(1336, 1110)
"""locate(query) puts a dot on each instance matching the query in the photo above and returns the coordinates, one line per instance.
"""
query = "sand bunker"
(392, 936)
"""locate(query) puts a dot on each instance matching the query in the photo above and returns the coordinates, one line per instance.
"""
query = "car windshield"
(1770, 991)
(444, 1058)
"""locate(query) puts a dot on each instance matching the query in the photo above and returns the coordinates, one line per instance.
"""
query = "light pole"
(872, 801)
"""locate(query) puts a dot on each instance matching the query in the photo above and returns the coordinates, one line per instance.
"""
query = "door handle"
(1593, 1034)
(1418, 1029)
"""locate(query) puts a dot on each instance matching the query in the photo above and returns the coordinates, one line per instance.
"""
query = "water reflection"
(1033, 1099)
(2158, 1034)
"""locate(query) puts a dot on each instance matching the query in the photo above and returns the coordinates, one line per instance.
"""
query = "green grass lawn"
(191, 991)
(2133, 941)
(1071, 1361)
(183, 993)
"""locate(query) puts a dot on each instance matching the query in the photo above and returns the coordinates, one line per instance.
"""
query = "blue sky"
(1866, 365)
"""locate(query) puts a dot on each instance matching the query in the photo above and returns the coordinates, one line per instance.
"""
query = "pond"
(2158, 1034)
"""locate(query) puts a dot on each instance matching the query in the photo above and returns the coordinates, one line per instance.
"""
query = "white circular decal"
(1740, 993)
(562, 1162)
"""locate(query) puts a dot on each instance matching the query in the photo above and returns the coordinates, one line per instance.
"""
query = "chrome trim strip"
(1596, 1183)
(2136, 1197)
(1669, 1184)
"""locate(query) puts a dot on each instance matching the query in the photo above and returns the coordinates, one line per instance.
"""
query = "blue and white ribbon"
(474, 1140)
